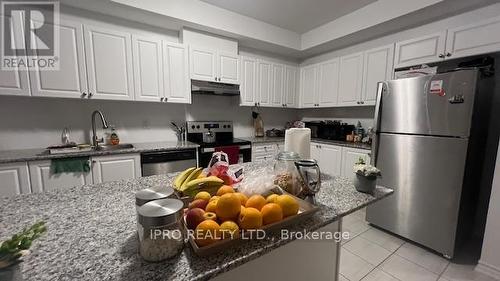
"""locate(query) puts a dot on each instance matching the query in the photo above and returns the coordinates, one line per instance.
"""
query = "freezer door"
(426, 174)
(439, 105)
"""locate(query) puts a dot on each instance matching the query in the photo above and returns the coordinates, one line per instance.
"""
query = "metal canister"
(149, 194)
(159, 228)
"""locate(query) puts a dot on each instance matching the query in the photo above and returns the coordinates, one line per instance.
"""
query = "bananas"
(179, 180)
(188, 182)
(193, 175)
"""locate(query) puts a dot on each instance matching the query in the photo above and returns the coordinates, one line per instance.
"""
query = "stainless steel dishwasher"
(164, 162)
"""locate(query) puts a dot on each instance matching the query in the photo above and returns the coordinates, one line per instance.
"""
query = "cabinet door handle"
(84, 94)
(448, 54)
(441, 56)
(362, 102)
(161, 99)
(90, 95)
(165, 99)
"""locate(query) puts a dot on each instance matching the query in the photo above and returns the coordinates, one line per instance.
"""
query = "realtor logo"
(30, 35)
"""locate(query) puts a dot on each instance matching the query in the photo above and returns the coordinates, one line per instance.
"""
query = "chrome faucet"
(95, 139)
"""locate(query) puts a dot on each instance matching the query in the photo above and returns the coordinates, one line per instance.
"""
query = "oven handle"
(212, 149)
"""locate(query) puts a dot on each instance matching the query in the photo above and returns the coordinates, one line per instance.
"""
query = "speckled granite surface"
(343, 143)
(9, 156)
(264, 140)
(91, 232)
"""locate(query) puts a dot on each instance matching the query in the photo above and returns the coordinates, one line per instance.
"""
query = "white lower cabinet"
(14, 179)
(266, 151)
(336, 160)
(329, 158)
(351, 156)
(42, 179)
(116, 167)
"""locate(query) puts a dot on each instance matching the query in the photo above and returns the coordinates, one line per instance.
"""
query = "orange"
(271, 198)
(229, 230)
(288, 204)
(225, 189)
(210, 216)
(250, 218)
(214, 198)
(243, 198)
(271, 212)
(207, 232)
(256, 201)
(211, 206)
(228, 207)
(202, 195)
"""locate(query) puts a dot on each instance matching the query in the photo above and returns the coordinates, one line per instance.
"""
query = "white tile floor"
(374, 255)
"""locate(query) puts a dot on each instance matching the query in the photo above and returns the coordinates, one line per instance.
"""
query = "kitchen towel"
(70, 165)
(233, 153)
(299, 140)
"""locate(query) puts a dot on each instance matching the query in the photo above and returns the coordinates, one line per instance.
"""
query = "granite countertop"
(262, 140)
(343, 143)
(9, 156)
(92, 232)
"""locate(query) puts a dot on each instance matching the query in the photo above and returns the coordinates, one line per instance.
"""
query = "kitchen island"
(92, 232)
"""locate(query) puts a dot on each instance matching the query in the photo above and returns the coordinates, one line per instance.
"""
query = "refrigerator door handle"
(381, 86)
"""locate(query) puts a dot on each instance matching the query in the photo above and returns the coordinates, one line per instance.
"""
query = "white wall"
(490, 255)
(27, 122)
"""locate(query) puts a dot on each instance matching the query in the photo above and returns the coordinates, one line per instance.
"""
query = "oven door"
(244, 154)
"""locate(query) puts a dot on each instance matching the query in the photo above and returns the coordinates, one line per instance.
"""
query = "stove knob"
(224, 126)
(192, 127)
(197, 127)
(229, 126)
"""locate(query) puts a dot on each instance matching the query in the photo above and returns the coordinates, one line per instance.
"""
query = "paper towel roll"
(299, 140)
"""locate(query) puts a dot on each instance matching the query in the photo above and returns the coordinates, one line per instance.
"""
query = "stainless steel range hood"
(214, 88)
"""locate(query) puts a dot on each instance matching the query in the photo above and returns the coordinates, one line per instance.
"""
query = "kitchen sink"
(108, 147)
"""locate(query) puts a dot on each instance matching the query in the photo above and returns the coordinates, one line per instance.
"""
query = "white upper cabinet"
(264, 85)
(70, 81)
(309, 86)
(42, 179)
(203, 63)
(277, 85)
(16, 81)
(214, 66)
(109, 63)
(116, 167)
(15, 179)
(248, 84)
(290, 96)
(478, 38)
(228, 68)
(177, 85)
(420, 50)
(378, 66)
(328, 83)
(350, 79)
(148, 69)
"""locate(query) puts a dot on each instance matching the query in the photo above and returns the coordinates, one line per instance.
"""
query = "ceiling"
(295, 15)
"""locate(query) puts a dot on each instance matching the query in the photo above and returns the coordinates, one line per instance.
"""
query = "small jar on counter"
(149, 194)
(160, 231)
(286, 174)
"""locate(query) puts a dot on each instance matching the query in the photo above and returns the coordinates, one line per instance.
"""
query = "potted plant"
(366, 176)
(12, 250)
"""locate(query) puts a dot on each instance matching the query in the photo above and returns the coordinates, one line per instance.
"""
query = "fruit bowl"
(306, 210)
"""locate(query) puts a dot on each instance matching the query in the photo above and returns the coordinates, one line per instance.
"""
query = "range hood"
(214, 88)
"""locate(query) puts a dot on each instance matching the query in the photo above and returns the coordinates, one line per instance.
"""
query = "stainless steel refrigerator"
(423, 129)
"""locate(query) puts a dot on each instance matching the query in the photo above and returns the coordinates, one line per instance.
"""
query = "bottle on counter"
(160, 231)
(113, 137)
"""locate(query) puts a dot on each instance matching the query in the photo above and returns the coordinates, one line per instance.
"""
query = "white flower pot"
(364, 184)
(11, 273)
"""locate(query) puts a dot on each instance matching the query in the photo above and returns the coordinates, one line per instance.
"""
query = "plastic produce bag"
(259, 181)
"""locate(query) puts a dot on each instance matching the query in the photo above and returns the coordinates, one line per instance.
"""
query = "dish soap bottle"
(113, 138)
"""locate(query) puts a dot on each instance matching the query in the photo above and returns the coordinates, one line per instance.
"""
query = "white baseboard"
(488, 269)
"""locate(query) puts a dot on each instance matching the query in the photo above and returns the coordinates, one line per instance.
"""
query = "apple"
(194, 217)
(198, 203)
